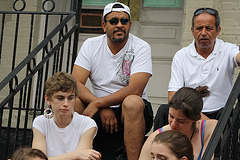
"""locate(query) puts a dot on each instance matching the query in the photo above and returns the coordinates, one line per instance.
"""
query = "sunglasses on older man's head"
(208, 10)
(114, 21)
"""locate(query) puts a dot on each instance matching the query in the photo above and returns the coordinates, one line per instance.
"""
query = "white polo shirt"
(190, 69)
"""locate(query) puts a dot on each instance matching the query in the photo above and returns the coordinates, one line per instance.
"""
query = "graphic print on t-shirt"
(124, 69)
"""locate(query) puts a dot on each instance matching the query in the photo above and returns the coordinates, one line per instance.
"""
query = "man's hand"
(109, 120)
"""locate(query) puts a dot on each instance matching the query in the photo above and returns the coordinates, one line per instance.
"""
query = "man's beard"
(118, 40)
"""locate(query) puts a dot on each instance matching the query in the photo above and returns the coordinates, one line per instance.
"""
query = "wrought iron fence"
(225, 142)
(29, 54)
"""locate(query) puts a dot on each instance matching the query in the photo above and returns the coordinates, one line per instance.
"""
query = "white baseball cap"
(109, 8)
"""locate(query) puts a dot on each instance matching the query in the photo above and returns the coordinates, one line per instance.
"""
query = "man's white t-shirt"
(109, 72)
(190, 69)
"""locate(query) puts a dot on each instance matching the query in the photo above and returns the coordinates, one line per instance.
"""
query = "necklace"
(192, 135)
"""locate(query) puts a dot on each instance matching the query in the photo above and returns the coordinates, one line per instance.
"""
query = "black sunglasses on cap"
(114, 21)
(208, 10)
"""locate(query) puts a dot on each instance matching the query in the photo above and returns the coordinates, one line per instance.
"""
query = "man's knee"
(133, 103)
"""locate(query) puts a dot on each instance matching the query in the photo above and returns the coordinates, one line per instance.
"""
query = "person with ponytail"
(185, 116)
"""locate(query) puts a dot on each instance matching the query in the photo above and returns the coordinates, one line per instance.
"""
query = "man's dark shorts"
(111, 146)
(148, 116)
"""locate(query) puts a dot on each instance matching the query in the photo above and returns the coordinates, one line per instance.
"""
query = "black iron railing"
(21, 90)
(224, 143)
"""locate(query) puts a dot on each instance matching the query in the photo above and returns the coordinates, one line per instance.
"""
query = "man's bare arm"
(81, 75)
(137, 83)
(170, 95)
(238, 58)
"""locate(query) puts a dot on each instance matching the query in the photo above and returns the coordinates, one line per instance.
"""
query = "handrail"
(30, 75)
(226, 121)
(35, 51)
(42, 13)
(24, 94)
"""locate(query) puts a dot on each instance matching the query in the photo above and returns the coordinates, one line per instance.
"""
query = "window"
(163, 3)
(91, 21)
(97, 2)
(91, 15)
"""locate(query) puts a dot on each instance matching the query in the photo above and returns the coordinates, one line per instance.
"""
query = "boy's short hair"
(61, 81)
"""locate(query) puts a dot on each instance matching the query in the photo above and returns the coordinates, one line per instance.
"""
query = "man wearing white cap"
(119, 66)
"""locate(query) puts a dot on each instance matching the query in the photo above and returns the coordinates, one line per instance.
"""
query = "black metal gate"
(225, 141)
(30, 52)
